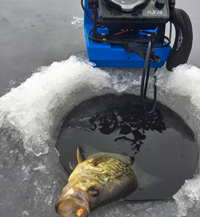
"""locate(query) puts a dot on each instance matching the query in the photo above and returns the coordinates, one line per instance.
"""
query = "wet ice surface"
(31, 176)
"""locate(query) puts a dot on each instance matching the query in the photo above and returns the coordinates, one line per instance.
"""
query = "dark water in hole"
(161, 143)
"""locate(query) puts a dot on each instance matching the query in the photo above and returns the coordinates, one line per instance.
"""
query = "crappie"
(99, 178)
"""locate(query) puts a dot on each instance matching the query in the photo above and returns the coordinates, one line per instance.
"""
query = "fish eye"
(93, 191)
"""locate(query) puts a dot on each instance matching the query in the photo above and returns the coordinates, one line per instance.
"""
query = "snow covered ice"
(31, 176)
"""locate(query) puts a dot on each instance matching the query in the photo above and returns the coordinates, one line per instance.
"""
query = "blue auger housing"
(114, 55)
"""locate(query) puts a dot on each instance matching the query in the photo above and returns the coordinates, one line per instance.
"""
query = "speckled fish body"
(108, 171)
(100, 179)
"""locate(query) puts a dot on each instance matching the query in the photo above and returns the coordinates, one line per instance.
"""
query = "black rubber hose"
(144, 82)
(85, 10)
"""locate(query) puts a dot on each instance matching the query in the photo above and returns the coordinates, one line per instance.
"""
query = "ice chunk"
(188, 198)
(77, 22)
(38, 105)
(25, 214)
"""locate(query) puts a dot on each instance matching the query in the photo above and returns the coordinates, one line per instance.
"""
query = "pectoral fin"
(72, 165)
(80, 156)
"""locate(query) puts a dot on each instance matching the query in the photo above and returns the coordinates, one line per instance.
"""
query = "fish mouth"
(68, 205)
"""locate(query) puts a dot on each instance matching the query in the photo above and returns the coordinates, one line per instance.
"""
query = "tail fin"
(145, 180)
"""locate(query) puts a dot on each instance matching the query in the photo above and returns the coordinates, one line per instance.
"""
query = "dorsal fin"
(123, 158)
(88, 150)
(79, 154)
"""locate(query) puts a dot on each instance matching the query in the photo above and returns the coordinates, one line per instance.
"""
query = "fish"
(98, 179)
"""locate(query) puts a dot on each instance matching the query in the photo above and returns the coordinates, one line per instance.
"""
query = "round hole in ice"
(31, 113)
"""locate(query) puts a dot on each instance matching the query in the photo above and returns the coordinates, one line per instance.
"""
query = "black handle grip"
(183, 41)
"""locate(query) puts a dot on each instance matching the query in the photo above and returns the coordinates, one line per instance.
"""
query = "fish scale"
(106, 165)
